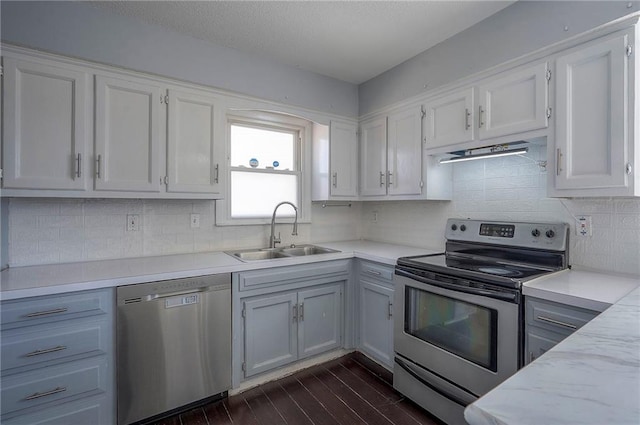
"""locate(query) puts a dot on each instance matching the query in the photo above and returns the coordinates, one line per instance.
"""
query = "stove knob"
(454, 227)
(550, 233)
(463, 228)
(535, 233)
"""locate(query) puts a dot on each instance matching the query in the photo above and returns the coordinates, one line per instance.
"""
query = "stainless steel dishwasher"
(173, 344)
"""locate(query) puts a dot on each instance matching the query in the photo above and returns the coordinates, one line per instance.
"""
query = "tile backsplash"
(44, 231)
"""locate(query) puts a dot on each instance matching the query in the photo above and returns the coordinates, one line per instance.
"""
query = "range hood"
(508, 149)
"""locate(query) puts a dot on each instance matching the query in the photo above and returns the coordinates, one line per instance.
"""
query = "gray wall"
(516, 30)
(4, 232)
(83, 31)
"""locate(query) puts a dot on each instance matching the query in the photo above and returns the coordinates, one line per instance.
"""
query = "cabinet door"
(192, 164)
(514, 103)
(270, 333)
(45, 126)
(591, 110)
(538, 344)
(373, 157)
(450, 119)
(319, 320)
(128, 127)
(404, 156)
(343, 148)
(376, 322)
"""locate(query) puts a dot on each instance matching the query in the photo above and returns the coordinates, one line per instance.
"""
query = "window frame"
(302, 155)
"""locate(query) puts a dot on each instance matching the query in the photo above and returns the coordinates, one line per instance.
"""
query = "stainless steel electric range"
(459, 315)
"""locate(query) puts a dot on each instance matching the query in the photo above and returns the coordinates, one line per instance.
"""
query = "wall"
(80, 30)
(47, 231)
(514, 188)
(521, 28)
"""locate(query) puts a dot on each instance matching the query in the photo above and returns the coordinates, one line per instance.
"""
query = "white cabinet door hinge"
(548, 75)
(423, 112)
(548, 112)
(629, 50)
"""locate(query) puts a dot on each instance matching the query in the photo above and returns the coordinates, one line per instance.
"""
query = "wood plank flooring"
(351, 390)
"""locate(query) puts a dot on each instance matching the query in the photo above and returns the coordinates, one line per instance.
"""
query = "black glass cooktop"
(490, 270)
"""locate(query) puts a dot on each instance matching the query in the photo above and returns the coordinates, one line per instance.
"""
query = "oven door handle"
(504, 296)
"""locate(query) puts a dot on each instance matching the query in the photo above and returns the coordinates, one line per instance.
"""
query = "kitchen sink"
(283, 252)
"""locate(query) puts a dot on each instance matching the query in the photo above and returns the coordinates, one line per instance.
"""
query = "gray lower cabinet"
(375, 331)
(58, 360)
(548, 323)
(287, 314)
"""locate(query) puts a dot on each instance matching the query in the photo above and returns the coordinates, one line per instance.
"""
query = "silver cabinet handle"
(301, 312)
(390, 310)
(335, 179)
(295, 313)
(372, 272)
(381, 178)
(78, 165)
(48, 312)
(46, 393)
(628, 169)
(480, 112)
(557, 322)
(389, 174)
(467, 114)
(98, 164)
(216, 178)
(45, 351)
(558, 161)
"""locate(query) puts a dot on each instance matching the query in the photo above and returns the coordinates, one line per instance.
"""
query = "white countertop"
(580, 288)
(22, 282)
(592, 377)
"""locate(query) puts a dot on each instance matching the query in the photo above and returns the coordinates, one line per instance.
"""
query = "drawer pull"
(373, 272)
(46, 393)
(46, 313)
(556, 322)
(46, 351)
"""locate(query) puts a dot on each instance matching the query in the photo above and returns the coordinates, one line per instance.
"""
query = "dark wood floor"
(350, 390)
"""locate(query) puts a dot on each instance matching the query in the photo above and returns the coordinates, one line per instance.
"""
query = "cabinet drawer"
(376, 271)
(48, 346)
(92, 410)
(556, 317)
(28, 391)
(39, 310)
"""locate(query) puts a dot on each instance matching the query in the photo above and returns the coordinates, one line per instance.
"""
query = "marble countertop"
(581, 288)
(22, 282)
(592, 377)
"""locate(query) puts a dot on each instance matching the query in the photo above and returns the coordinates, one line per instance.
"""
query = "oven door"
(466, 337)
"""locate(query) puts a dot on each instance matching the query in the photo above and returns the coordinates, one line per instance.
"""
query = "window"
(267, 164)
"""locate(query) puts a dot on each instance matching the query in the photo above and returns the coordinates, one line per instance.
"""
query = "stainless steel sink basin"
(283, 252)
(307, 250)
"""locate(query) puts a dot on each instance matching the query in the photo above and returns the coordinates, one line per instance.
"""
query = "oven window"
(464, 329)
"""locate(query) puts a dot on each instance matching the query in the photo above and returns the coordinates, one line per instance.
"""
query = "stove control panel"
(552, 236)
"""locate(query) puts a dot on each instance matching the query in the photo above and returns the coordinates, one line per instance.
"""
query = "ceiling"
(351, 41)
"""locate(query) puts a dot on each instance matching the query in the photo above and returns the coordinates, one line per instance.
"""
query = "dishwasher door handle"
(173, 294)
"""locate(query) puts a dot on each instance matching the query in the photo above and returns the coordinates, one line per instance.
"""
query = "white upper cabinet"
(513, 103)
(373, 157)
(404, 152)
(46, 132)
(450, 119)
(127, 149)
(193, 162)
(593, 151)
(343, 148)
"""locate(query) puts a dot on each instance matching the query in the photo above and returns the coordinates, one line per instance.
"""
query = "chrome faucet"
(272, 239)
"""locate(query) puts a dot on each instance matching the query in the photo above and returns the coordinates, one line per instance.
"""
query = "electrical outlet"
(583, 226)
(195, 221)
(133, 222)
